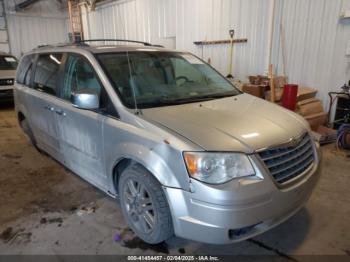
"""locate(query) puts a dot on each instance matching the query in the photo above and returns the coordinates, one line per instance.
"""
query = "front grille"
(6, 82)
(289, 161)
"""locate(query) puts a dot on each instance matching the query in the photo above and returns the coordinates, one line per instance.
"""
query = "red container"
(289, 99)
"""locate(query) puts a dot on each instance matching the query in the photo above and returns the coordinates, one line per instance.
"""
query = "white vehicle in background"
(8, 66)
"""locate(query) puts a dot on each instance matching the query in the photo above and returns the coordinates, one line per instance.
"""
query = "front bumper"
(238, 210)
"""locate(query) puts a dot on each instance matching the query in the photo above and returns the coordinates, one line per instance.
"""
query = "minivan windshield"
(8, 62)
(156, 78)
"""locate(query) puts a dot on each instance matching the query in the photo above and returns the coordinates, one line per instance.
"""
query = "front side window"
(47, 73)
(8, 62)
(153, 78)
(78, 75)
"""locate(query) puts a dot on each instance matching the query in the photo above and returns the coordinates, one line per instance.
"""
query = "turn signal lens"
(191, 163)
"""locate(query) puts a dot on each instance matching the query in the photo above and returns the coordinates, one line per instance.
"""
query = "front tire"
(144, 205)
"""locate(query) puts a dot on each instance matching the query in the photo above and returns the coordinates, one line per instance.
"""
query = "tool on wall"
(232, 34)
(272, 84)
(230, 41)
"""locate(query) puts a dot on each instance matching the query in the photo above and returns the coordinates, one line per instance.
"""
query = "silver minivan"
(182, 149)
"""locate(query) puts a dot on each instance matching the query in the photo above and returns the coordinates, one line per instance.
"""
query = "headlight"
(217, 168)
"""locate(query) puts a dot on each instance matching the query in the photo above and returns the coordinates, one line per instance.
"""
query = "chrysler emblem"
(295, 141)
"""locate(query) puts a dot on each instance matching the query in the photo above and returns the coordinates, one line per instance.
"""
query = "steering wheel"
(183, 78)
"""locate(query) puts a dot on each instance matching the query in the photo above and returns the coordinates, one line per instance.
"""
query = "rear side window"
(24, 70)
(46, 73)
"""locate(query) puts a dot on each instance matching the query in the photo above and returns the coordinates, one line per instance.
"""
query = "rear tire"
(26, 129)
(144, 205)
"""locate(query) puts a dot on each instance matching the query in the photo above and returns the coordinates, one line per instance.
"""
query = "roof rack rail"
(112, 40)
(43, 45)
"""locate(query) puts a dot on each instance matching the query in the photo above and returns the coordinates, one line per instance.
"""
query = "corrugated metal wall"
(315, 43)
(27, 32)
(43, 23)
(146, 20)
(178, 23)
(315, 37)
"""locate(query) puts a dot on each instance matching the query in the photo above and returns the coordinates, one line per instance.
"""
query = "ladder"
(76, 30)
(4, 35)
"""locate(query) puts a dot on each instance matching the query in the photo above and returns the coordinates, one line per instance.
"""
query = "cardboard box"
(255, 90)
(306, 93)
(309, 107)
(279, 81)
(259, 80)
(316, 120)
(303, 93)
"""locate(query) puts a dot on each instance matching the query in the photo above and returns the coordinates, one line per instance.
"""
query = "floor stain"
(275, 250)
(31, 182)
(45, 220)
(6, 234)
(9, 235)
(6, 125)
(138, 243)
(11, 156)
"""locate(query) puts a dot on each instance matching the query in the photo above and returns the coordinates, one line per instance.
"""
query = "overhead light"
(145, 49)
(55, 59)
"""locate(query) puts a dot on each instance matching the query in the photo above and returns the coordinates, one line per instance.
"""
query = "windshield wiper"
(216, 96)
(164, 101)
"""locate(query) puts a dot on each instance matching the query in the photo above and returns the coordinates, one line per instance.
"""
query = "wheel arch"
(151, 162)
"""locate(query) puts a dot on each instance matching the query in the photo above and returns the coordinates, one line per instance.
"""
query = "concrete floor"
(44, 209)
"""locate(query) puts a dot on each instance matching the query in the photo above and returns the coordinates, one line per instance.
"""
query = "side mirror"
(85, 99)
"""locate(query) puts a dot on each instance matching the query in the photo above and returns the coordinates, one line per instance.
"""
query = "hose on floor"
(343, 137)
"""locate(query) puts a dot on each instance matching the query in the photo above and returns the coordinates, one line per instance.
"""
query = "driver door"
(80, 131)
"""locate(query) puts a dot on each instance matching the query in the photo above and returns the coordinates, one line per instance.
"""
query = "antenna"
(132, 83)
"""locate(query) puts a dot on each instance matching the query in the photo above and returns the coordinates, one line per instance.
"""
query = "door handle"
(50, 108)
(60, 112)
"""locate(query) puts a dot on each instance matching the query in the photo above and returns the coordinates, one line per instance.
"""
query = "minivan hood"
(242, 123)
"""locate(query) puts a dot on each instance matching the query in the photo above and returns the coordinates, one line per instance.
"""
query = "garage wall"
(178, 23)
(27, 32)
(45, 22)
(315, 43)
(315, 38)
(146, 20)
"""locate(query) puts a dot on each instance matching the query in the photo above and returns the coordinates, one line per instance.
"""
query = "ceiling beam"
(25, 4)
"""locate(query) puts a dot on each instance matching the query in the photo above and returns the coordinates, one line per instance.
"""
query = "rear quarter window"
(24, 70)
